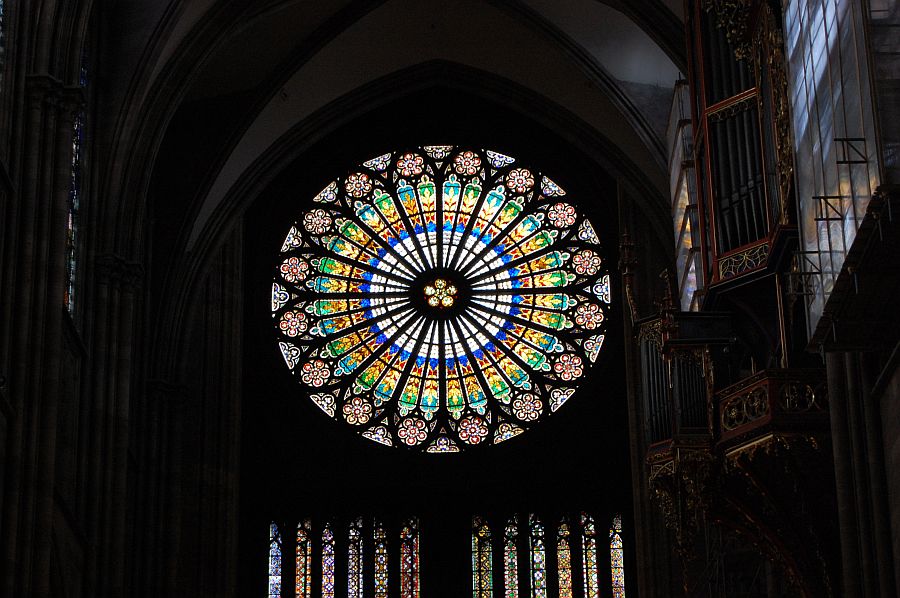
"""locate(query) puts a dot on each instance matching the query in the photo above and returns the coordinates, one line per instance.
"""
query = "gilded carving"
(770, 43)
(765, 47)
(662, 469)
(733, 109)
(741, 262)
(681, 488)
(734, 17)
(745, 408)
(798, 397)
(651, 332)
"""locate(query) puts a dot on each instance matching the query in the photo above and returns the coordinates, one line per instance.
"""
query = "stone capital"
(114, 268)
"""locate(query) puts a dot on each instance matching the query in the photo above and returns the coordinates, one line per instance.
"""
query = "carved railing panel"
(772, 401)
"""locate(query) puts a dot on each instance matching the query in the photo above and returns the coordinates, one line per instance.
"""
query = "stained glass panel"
(355, 559)
(409, 559)
(589, 557)
(76, 176)
(564, 561)
(538, 558)
(441, 298)
(511, 558)
(303, 582)
(617, 558)
(72, 218)
(2, 43)
(482, 574)
(328, 562)
(274, 561)
(381, 561)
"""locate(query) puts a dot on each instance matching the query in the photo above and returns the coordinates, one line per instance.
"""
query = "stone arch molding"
(489, 38)
(254, 179)
(509, 39)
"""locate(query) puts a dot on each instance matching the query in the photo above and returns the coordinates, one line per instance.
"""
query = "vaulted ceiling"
(265, 68)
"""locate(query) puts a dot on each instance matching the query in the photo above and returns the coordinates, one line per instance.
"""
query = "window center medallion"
(440, 293)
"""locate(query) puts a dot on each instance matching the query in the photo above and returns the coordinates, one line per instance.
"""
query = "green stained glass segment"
(538, 551)
(434, 298)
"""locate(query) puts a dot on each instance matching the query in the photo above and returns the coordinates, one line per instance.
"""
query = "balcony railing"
(769, 402)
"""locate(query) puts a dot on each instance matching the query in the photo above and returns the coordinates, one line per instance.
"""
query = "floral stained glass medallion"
(441, 298)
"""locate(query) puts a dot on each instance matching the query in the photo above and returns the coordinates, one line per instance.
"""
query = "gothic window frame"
(537, 552)
(617, 557)
(78, 167)
(410, 565)
(564, 554)
(275, 561)
(303, 568)
(589, 554)
(482, 559)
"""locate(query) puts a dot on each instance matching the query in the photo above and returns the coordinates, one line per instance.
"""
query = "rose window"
(441, 298)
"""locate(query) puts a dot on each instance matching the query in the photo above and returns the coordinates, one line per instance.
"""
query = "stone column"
(859, 478)
(33, 311)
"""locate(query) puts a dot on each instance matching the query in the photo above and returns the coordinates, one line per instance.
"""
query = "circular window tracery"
(441, 298)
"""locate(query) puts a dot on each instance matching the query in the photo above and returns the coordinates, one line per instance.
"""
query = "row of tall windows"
(521, 556)
(324, 555)
(540, 560)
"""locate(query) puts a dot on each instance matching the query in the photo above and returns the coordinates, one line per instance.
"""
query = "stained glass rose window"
(440, 298)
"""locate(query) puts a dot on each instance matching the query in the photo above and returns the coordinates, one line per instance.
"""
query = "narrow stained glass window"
(381, 561)
(439, 298)
(564, 561)
(510, 558)
(2, 42)
(538, 558)
(274, 561)
(589, 557)
(617, 558)
(72, 218)
(482, 579)
(355, 559)
(409, 559)
(76, 176)
(327, 562)
(303, 580)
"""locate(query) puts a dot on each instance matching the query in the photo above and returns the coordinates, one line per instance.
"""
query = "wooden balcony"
(771, 402)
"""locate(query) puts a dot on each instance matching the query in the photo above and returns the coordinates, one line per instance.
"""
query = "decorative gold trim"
(738, 263)
(797, 397)
(729, 110)
(734, 17)
(652, 333)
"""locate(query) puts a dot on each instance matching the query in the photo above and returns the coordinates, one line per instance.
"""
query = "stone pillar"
(33, 311)
(185, 439)
(154, 515)
(868, 568)
(886, 394)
